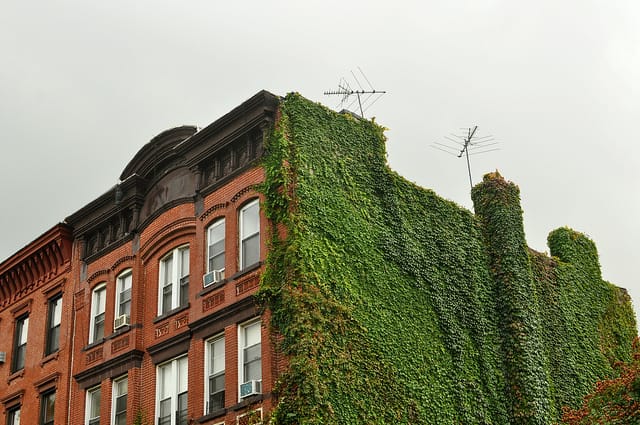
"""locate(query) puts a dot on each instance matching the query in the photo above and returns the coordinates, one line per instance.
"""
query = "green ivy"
(395, 306)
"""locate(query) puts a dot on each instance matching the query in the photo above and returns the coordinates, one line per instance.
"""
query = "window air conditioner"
(121, 321)
(212, 277)
(3, 356)
(250, 388)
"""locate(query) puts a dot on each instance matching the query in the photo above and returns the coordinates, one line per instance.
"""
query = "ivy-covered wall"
(395, 306)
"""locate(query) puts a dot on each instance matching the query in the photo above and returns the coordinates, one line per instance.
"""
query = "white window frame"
(241, 348)
(97, 309)
(243, 237)
(221, 222)
(207, 368)
(89, 405)
(179, 279)
(124, 282)
(175, 378)
(115, 395)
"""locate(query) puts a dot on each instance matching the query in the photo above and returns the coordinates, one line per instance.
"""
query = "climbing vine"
(393, 305)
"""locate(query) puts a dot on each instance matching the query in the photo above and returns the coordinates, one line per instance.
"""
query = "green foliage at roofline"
(395, 306)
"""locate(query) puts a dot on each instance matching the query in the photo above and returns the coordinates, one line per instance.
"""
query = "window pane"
(250, 220)
(165, 412)
(98, 332)
(216, 401)
(184, 290)
(23, 329)
(20, 344)
(167, 295)
(55, 315)
(251, 250)
(47, 407)
(14, 417)
(167, 269)
(216, 245)
(56, 311)
(252, 353)
(182, 374)
(53, 341)
(184, 262)
(216, 352)
(94, 403)
(120, 401)
(165, 381)
(122, 386)
(125, 303)
(253, 370)
(100, 299)
(182, 409)
(21, 352)
(251, 334)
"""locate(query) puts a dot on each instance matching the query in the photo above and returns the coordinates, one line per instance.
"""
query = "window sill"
(171, 313)
(248, 401)
(49, 357)
(15, 375)
(213, 415)
(212, 287)
(246, 270)
(223, 282)
(93, 344)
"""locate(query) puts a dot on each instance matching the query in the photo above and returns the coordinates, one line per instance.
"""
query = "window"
(93, 406)
(98, 298)
(250, 353)
(174, 268)
(53, 324)
(214, 382)
(20, 343)
(172, 392)
(47, 407)
(249, 234)
(123, 294)
(13, 416)
(215, 247)
(119, 401)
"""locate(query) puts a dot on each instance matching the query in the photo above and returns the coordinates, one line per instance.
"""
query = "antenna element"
(466, 143)
(345, 90)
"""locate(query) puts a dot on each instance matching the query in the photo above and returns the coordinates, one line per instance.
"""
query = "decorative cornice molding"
(40, 262)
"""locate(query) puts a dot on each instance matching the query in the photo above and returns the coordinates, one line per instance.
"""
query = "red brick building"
(36, 324)
(152, 285)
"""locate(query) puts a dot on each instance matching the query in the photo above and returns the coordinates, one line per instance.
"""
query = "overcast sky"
(84, 85)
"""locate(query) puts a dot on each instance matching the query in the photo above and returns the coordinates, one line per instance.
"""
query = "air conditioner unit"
(3, 356)
(121, 321)
(212, 277)
(250, 388)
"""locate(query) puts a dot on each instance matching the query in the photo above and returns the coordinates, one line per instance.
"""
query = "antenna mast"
(466, 143)
(345, 90)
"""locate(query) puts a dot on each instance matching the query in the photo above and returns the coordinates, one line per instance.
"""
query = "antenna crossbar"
(467, 145)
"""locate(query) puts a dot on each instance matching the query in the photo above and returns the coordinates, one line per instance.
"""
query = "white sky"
(84, 85)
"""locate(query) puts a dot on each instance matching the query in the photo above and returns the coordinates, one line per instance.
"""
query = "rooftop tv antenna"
(467, 144)
(363, 96)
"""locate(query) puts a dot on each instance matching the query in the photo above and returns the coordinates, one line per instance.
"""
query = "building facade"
(140, 308)
(272, 267)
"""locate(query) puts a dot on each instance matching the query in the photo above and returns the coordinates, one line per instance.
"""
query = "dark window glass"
(20, 343)
(53, 327)
(13, 416)
(47, 407)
